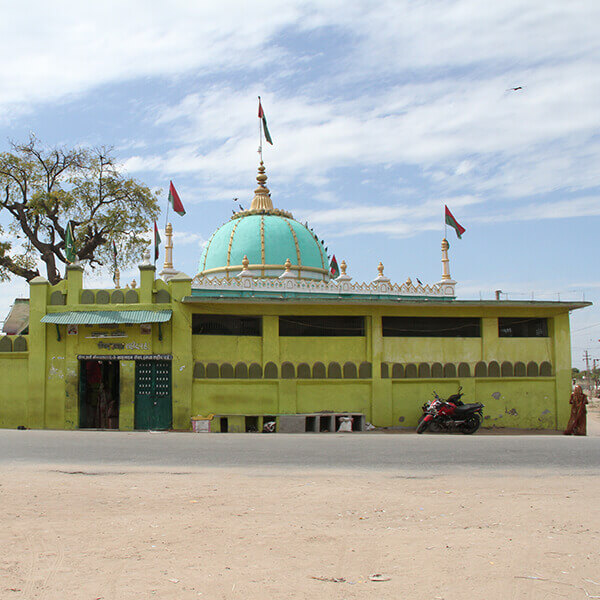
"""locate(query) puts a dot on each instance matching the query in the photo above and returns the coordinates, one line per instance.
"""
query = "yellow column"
(127, 395)
(381, 391)
(38, 295)
(181, 348)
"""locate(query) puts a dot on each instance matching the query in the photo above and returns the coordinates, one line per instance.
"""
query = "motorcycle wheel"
(435, 426)
(471, 425)
(422, 426)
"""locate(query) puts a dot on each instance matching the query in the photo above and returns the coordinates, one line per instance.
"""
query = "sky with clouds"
(380, 112)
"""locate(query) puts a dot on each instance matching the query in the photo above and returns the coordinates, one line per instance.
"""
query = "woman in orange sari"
(577, 422)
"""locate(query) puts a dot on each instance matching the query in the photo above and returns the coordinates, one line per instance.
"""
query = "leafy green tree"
(42, 189)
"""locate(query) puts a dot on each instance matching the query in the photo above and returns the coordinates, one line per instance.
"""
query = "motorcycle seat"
(467, 408)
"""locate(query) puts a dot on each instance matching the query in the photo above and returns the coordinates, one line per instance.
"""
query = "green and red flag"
(114, 253)
(70, 255)
(261, 116)
(174, 200)
(156, 241)
(450, 220)
(334, 270)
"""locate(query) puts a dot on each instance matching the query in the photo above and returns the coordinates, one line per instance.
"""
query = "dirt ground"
(228, 534)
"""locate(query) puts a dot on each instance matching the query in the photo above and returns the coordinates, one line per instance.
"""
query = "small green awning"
(108, 317)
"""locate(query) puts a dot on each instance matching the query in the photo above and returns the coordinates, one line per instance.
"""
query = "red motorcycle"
(450, 415)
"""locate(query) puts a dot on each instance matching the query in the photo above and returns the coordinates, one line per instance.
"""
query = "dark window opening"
(431, 327)
(251, 424)
(310, 424)
(224, 424)
(522, 327)
(324, 326)
(226, 325)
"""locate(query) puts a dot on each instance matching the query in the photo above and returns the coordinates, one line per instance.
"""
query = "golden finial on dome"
(288, 265)
(380, 269)
(262, 195)
(343, 267)
(245, 262)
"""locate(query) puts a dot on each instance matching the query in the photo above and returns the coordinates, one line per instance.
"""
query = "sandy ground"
(226, 534)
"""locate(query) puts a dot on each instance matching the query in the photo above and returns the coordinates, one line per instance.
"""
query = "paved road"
(371, 451)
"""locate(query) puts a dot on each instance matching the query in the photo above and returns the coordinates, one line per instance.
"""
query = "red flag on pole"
(175, 201)
(450, 220)
(156, 241)
(261, 116)
(334, 270)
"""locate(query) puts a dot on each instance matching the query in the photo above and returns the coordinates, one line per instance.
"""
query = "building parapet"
(302, 287)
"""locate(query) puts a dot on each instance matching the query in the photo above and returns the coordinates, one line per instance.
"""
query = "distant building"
(262, 334)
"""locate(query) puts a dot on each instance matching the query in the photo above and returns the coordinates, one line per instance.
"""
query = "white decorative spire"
(246, 272)
(381, 278)
(447, 284)
(343, 276)
(168, 271)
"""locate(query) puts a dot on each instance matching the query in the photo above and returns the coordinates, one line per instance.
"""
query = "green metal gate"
(153, 401)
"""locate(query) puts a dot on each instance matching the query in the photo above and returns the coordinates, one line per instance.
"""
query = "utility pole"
(587, 369)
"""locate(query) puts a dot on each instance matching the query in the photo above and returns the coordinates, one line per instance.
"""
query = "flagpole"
(167, 215)
(260, 134)
(445, 225)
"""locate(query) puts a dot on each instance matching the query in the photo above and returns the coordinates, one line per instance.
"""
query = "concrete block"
(292, 424)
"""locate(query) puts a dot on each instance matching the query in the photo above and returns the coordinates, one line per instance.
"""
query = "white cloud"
(67, 48)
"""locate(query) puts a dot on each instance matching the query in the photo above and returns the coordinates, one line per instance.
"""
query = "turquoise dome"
(268, 240)
(268, 237)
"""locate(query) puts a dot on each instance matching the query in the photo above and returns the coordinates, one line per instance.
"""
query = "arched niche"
(334, 371)
(287, 370)
(5, 344)
(57, 298)
(87, 297)
(199, 371)
(303, 371)
(410, 371)
(271, 371)
(493, 369)
(102, 297)
(385, 371)
(437, 370)
(226, 371)
(162, 297)
(117, 297)
(241, 371)
(365, 370)
(424, 371)
(131, 297)
(532, 369)
(481, 369)
(319, 371)
(507, 370)
(20, 344)
(397, 371)
(212, 371)
(255, 371)
(520, 369)
(350, 370)
(464, 370)
(450, 370)
(545, 369)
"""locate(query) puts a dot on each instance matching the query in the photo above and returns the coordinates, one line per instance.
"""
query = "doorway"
(99, 394)
(153, 400)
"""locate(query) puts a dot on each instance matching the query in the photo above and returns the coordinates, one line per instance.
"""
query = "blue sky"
(381, 113)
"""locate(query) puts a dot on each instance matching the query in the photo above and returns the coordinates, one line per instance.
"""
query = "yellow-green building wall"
(43, 391)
